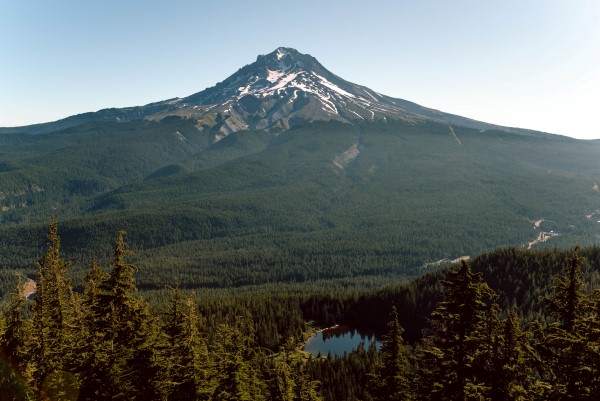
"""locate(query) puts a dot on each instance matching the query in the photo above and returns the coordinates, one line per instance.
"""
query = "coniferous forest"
(206, 241)
(512, 325)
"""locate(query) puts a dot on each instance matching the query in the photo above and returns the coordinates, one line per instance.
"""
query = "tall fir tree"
(14, 333)
(394, 377)
(89, 345)
(186, 368)
(564, 345)
(592, 357)
(282, 383)
(239, 361)
(288, 378)
(306, 389)
(121, 346)
(14, 341)
(511, 361)
(54, 325)
(448, 367)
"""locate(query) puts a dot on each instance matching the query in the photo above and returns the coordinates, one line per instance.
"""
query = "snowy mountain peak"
(284, 88)
(281, 53)
(279, 90)
(285, 58)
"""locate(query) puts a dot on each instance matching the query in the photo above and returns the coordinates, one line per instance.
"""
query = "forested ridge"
(514, 324)
(258, 221)
(258, 208)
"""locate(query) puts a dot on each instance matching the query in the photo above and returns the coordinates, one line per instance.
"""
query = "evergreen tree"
(282, 383)
(592, 357)
(238, 360)
(121, 363)
(394, 377)
(288, 377)
(14, 333)
(89, 347)
(565, 344)
(448, 366)
(568, 304)
(511, 368)
(93, 282)
(54, 325)
(184, 360)
(305, 388)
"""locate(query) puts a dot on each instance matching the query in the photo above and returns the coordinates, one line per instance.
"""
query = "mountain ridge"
(279, 90)
(334, 199)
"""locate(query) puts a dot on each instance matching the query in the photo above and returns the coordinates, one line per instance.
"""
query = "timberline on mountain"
(286, 172)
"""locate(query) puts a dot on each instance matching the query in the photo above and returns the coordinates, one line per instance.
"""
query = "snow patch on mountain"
(327, 103)
(370, 94)
(358, 115)
(281, 53)
(274, 76)
(333, 87)
(286, 79)
(284, 88)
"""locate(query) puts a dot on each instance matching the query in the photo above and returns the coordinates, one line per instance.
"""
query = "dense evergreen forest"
(258, 207)
(513, 325)
(257, 223)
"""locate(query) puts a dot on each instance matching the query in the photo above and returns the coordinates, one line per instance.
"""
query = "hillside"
(256, 330)
(322, 200)
(281, 192)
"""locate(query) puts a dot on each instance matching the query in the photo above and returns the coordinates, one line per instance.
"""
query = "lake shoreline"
(338, 340)
(314, 334)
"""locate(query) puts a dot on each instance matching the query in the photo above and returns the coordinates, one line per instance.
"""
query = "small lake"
(339, 340)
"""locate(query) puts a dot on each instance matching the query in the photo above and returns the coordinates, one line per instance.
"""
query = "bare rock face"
(284, 88)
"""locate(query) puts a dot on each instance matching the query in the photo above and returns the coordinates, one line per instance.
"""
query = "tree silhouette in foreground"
(394, 377)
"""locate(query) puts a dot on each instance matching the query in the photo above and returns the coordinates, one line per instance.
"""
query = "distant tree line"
(104, 344)
(519, 338)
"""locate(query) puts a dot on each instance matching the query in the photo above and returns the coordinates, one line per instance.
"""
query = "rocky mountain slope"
(278, 91)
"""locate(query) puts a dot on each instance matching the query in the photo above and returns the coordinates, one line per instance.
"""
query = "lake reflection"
(339, 340)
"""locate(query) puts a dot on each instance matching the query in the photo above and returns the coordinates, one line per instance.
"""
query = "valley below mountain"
(285, 202)
(285, 172)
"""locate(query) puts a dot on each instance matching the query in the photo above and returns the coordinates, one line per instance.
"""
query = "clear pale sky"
(521, 63)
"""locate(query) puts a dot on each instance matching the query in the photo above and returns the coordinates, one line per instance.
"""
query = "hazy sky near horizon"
(530, 64)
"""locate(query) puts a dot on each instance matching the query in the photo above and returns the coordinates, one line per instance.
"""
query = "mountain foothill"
(281, 200)
(286, 172)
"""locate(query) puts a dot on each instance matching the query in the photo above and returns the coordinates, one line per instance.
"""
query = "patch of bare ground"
(455, 136)
(446, 260)
(29, 289)
(342, 161)
(542, 237)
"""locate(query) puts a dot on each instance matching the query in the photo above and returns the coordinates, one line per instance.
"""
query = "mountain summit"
(278, 91)
(286, 87)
